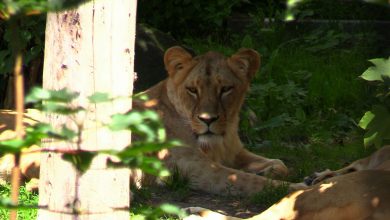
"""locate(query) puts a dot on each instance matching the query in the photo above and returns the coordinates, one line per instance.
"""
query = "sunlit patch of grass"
(25, 197)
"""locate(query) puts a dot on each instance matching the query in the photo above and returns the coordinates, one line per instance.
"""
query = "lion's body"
(380, 160)
(199, 103)
(29, 163)
(357, 191)
(359, 196)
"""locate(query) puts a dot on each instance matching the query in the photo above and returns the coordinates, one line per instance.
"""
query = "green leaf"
(366, 119)
(10, 8)
(151, 115)
(56, 5)
(38, 94)
(172, 210)
(12, 146)
(99, 97)
(379, 71)
(138, 148)
(124, 121)
(152, 166)
(67, 134)
(81, 160)
(59, 108)
(33, 136)
(377, 124)
(247, 41)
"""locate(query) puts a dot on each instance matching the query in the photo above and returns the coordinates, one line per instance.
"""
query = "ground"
(230, 205)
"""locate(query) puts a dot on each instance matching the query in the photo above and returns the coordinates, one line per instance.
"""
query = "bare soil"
(228, 205)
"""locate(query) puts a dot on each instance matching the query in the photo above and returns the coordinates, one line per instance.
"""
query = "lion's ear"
(245, 62)
(175, 58)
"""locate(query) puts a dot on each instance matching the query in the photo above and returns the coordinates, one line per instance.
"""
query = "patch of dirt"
(227, 205)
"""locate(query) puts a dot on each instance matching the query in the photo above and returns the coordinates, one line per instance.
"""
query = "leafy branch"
(376, 122)
(145, 124)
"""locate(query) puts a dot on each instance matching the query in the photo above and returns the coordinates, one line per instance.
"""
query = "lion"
(379, 160)
(29, 163)
(199, 104)
(359, 195)
(357, 191)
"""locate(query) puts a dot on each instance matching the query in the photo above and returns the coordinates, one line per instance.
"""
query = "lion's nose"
(208, 118)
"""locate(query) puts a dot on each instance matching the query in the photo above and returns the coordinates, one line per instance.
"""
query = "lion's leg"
(326, 174)
(376, 161)
(212, 177)
(253, 163)
(198, 213)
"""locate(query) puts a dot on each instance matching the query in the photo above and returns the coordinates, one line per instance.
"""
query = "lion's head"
(208, 90)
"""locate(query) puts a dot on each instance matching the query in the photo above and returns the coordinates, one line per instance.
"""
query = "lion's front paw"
(319, 177)
(297, 186)
(272, 169)
(196, 213)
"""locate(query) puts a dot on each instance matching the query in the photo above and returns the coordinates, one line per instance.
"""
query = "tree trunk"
(89, 49)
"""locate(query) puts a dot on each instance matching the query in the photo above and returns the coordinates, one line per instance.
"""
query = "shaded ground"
(229, 205)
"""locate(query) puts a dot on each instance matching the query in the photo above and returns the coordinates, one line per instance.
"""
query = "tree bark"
(89, 49)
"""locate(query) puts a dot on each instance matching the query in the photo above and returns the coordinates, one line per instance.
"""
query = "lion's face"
(208, 90)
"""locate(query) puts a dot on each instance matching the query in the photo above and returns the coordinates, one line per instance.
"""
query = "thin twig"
(19, 102)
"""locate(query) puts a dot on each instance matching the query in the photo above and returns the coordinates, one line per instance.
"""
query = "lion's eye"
(226, 90)
(192, 90)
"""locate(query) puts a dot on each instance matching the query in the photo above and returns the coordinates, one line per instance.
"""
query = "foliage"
(145, 124)
(10, 8)
(334, 9)
(185, 16)
(179, 184)
(377, 121)
(307, 89)
(305, 160)
(32, 36)
(26, 198)
(164, 211)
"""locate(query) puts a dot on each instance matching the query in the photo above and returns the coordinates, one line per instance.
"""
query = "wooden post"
(89, 49)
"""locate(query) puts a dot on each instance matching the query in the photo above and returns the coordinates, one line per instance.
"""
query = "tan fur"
(358, 191)
(199, 103)
(356, 196)
(380, 160)
(30, 162)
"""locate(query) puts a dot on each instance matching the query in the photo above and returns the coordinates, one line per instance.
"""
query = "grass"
(26, 198)
(178, 184)
(304, 160)
(308, 88)
(176, 187)
(269, 195)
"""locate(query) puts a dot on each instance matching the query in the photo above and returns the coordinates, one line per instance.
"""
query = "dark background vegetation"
(308, 90)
